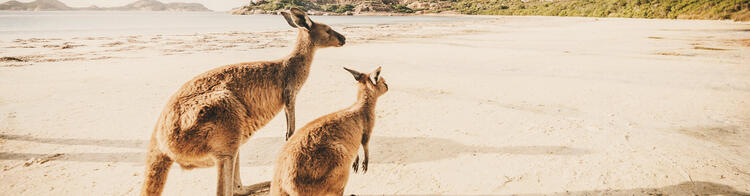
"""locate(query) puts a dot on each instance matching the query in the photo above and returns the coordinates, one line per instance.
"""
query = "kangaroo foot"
(254, 189)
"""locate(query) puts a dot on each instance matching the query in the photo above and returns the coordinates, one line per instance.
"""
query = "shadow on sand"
(684, 188)
(140, 144)
(383, 149)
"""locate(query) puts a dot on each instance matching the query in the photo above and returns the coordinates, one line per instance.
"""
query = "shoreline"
(26, 51)
(29, 51)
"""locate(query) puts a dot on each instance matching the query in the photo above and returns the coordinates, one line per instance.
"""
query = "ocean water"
(66, 24)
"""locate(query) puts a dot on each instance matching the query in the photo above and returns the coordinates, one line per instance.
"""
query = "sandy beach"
(491, 106)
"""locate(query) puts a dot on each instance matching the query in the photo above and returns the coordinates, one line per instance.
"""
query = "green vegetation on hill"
(682, 9)
(674, 9)
(338, 8)
(401, 8)
(286, 4)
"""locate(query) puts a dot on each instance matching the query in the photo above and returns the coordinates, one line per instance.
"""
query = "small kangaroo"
(315, 160)
(209, 117)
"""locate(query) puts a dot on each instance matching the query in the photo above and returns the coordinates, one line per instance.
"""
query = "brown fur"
(207, 120)
(316, 159)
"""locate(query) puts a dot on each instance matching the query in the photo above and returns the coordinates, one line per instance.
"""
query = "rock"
(420, 5)
(372, 6)
(241, 11)
(413, 5)
(257, 2)
(407, 2)
(348, 13)
(259, 11)
(444, 5)
(10, 58)
(314, 13)
(450, 12)
(361, 8)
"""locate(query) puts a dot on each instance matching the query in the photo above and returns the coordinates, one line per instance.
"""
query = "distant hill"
(140, 5)
(154, 5)
(38, 5)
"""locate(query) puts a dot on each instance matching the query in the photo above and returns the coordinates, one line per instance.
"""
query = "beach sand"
(505, 106)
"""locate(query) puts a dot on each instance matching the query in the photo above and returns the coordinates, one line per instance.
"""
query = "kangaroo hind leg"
(225, 170)
(157, 168)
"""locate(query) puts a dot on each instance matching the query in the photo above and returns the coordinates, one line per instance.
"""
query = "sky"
(216, 5)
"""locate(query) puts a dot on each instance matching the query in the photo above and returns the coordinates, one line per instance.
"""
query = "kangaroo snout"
(342, 39)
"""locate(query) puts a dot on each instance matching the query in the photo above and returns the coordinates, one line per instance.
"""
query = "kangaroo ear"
(377, 74)
(298, 18)
(289, 20)
(357, 76)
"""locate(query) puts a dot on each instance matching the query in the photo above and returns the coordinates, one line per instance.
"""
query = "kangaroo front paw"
(288, 135)
(355, 165)
(364, 165)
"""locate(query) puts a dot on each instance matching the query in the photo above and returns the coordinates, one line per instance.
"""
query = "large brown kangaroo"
(207, 120)
(316, 159)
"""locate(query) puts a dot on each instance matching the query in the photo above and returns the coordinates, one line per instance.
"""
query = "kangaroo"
(315, 159)
(209, 117)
